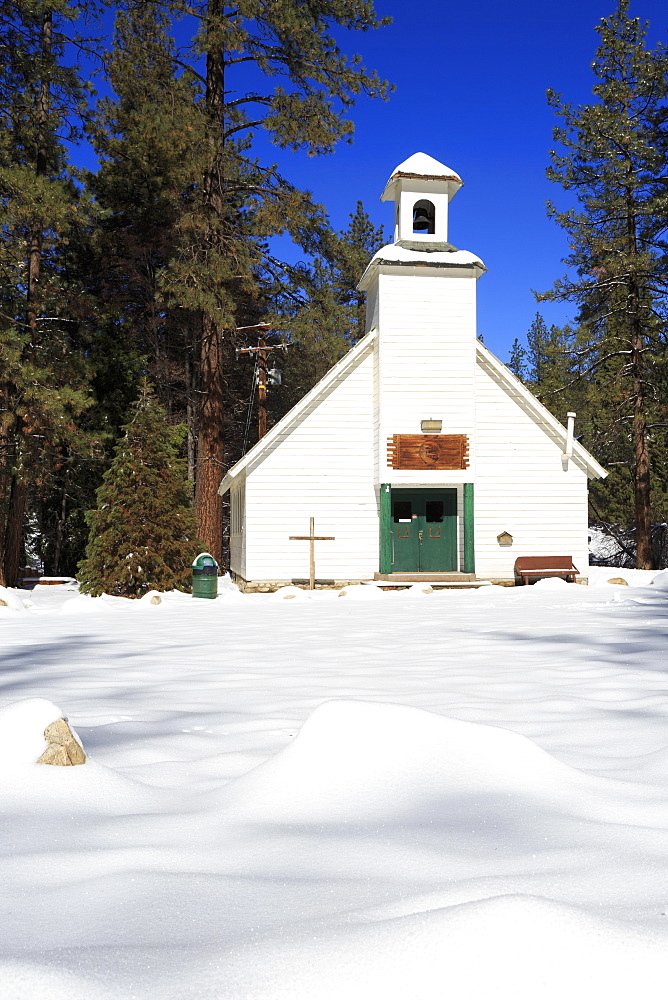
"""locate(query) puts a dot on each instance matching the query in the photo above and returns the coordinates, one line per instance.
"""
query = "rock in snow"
(63, 747)
(36, 731)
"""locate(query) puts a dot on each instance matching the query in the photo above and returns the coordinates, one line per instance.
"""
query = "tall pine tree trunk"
(61, 520)
(17, 497)
(641, 478)
(210, 441)
(5, 476)
(644, 556)
(14, 532)
(191, 423)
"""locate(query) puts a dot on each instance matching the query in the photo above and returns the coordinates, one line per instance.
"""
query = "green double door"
(424, 531)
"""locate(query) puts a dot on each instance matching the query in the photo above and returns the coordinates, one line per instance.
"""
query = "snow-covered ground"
(402, 796)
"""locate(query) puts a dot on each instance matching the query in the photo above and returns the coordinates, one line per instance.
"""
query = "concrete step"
(425, 577)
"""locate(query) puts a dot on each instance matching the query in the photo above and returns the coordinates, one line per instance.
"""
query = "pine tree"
(149, 139)
(319, 306)
(242, 202)
(518, 360)
(43, 327)
(549, 359)
(315, 308)
(143, 532)
(615, 158)
(354, 248)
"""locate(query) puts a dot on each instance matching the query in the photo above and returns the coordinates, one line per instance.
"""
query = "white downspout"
(568, 454)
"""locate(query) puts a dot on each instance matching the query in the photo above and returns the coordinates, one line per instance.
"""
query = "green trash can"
(205, 576)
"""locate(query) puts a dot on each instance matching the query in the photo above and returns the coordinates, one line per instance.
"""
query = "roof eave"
(366, 279)
(451, 182)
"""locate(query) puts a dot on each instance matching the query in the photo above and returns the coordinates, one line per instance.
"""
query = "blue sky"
(471, 82)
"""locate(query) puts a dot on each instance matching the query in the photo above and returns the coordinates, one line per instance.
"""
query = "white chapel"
(419, 455)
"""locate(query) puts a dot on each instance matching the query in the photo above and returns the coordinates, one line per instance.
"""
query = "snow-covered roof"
(423, 167)
(394, 253)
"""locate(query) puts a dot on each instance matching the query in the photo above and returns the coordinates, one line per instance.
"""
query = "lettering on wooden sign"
(428, 451)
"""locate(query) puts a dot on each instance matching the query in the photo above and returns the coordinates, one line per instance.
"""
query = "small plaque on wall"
(428, 451)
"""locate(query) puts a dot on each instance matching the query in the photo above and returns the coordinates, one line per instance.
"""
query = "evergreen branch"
(240, 59)
(190, 69)
(249, 99)
(243, 128)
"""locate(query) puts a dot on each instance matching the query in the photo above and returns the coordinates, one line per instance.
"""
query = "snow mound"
(26, 785)
(153, 597)
(290, 594)
(22, 728)
(494, 589)
(360, 592)
(225, 585)
(360, 762)
(89, 788)
(27, 980)
(660, 581)
(82, 605)
(10, 599)
(551, 583)
(515, 946)
(599, 576)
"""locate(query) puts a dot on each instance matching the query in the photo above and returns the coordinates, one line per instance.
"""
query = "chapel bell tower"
(421, 189)
(421, 300)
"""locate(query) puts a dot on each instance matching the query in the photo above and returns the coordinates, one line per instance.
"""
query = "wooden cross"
(311, 538)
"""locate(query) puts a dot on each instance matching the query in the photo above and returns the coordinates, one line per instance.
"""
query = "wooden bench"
(541, 567)
(30, 581)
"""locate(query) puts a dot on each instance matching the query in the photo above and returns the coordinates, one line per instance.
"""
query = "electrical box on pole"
(265, 377)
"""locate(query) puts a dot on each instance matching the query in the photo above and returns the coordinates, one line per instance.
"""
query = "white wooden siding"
(237, 527)
(521, 486)
(378, 462)
(319, 467)
(426, 361)
(371, 308)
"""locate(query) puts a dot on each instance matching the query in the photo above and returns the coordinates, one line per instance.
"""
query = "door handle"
(420, 535)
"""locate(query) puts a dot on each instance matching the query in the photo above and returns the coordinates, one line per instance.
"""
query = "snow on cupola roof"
(421, 167)
(421, 189)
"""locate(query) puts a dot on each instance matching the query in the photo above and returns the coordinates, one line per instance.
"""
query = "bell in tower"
(424, 216)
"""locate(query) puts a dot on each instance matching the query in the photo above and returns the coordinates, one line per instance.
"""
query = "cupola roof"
(421, 166)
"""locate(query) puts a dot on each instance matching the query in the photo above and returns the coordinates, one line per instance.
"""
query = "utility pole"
(261, 388)
(261, 352)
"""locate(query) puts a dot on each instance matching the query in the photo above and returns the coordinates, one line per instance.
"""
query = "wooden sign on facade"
(428, 451)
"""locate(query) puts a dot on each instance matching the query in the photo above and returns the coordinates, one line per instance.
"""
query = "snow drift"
(360, 762)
